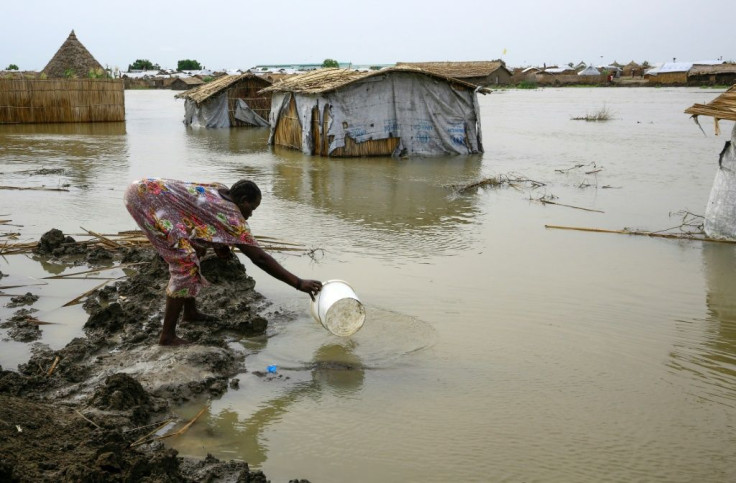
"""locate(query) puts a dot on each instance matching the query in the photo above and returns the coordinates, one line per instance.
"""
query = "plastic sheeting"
(244, 113)
(720, 214)
(212, 113)
(428, 115)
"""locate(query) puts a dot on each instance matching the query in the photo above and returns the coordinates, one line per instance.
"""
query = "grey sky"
(240, 34)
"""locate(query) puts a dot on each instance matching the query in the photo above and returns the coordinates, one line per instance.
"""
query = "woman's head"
(246, 195)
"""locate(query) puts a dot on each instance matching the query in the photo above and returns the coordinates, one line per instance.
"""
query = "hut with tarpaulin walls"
(73, 87)
(395, 111)
(228, 101)
(720, 213)
(482, 73)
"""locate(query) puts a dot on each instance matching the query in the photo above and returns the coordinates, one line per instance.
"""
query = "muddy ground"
(88, 412)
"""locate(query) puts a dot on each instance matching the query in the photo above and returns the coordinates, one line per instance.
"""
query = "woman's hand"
(312, 287)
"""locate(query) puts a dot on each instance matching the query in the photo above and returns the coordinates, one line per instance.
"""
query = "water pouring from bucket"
(338, 308)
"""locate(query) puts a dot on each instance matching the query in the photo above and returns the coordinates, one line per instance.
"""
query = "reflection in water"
(227, 141)
(405, 202)
(80, 149)
(334, 367)
(712, 354)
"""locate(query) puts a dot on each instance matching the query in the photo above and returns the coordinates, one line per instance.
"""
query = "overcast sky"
(239, 34)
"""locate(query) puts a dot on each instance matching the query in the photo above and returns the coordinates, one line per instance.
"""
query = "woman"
(182, 219)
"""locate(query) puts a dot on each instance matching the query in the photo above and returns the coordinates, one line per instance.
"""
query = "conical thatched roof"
(71, 60)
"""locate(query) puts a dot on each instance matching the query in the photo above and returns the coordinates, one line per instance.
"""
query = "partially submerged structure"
(712, 74)
(393, 111)
(228, 101)
(185, 83)
(482, 73)
(73, 88)
(720, 214)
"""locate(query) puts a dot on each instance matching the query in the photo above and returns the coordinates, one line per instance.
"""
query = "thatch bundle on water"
(228, 101)
(73, 88)
(394, 111)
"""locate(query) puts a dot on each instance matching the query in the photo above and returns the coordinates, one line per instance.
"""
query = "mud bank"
(90, 411)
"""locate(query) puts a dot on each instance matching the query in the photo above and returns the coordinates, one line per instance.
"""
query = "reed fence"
(30, 101)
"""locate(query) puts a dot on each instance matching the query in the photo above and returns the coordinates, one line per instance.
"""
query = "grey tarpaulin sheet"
(212, 113)
(720, 214)
(244, 113)
(428, 115)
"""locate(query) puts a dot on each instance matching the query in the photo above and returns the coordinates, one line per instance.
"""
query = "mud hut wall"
(248, 91)
(61, 100)
(569, 79)
(669, 78)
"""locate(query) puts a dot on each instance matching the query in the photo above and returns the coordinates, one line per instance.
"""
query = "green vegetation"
(330, 63)
(70, 74)
(603, 114)
(97, 74)
(188, 64)
(12, 67)
(143, 64)
(527, 84)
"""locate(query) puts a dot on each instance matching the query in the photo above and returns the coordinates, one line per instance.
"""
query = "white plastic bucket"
(338, 309)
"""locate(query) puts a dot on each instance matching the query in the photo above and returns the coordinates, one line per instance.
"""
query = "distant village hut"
(670, 73)
(632, 69)
(720, 213)
(711, 75)
(73, 87)
(482, 73)
(228, 101)
(394, 111)
(185, 83)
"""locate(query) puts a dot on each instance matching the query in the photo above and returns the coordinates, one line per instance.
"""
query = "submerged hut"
(482, 73)
(709, 74)
(228, 101)
(185, 83)
(720, 213)
(393, 111)
(73, 87)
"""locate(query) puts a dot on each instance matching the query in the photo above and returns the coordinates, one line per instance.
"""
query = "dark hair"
(244, 190)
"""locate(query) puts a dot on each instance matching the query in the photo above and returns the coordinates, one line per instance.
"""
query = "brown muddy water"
(494, 349)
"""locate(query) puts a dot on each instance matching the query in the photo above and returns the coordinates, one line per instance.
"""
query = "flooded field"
(494, 349)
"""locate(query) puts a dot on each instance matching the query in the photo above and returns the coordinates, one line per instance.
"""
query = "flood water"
(494, 349)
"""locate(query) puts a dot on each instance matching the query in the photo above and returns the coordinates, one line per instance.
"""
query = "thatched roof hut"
(228, 101)
(720, 212)
(632, 69)
(484, 73)
(72, 60)
(712, 74)
(185, 83)
(393, 111)
(722, 107)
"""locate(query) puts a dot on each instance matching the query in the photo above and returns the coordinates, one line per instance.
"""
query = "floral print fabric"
(179, 217)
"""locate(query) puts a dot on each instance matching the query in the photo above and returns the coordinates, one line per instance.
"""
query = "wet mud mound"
(86, 412)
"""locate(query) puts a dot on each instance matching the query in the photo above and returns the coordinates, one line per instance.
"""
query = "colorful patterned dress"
(178, 217)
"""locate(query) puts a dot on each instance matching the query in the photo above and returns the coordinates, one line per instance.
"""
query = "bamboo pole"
(85, 294)
(642, 233)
